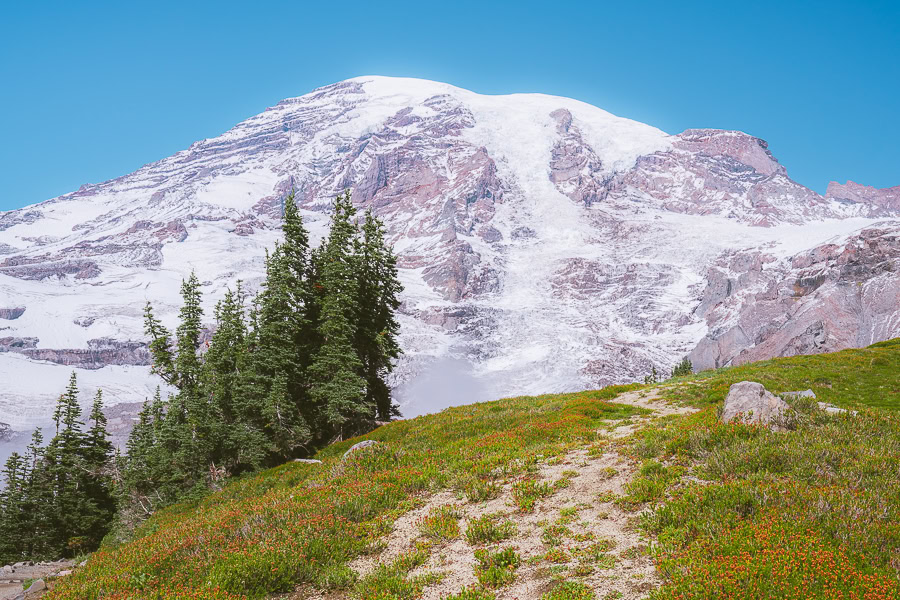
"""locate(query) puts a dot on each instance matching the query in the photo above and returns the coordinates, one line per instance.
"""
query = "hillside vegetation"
(727, 510)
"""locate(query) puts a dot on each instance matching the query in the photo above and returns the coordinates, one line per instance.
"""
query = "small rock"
(308, 461)
(360, 445)
(803, 394)
(82, 563)
(64, 573)
(753, 404)
(834, 410)
(37, 585)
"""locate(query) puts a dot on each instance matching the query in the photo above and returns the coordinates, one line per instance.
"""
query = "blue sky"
(93, 90)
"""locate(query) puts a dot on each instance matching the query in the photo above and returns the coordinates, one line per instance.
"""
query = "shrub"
(488, 529)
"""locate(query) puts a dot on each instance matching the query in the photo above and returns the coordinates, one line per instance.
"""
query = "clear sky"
(93, 90)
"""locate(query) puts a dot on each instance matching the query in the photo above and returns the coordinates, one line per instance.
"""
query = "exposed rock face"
(548, 243)
(17, 344)
(120, 419)
(724, 173)
(11, 314)
(99, 353)
(867, 199)
(834, 296)
(750, 402)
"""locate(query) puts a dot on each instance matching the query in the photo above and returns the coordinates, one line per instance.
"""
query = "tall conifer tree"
(337, 388)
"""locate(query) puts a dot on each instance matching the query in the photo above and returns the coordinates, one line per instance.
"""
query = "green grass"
(496, 568)
(302, 523)
(472, 593)
(852, 378)
(528, 491)
(813, 512)
(488, 529)
(392, 581)
(442, 524)
(569, 590)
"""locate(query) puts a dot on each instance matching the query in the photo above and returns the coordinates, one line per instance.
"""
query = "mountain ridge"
(536, 235)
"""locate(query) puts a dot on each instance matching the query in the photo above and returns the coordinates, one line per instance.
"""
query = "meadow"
(728, 510)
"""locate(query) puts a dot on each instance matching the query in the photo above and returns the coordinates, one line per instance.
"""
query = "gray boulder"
(750, 402)
(308, 461)
(35, 589)
(359, 446)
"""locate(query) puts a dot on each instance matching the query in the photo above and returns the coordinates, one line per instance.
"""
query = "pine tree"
(97, 452)
(239, 442)
(76, 503)
(376, 326)
(98, 448)
(188, 365)
(13, 518)
(65, 474)
(683, 368)
(35, 496)
(337, 388)
(160, 346)
(282, 340)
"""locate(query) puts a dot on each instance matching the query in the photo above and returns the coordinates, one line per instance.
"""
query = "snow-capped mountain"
(545, 242)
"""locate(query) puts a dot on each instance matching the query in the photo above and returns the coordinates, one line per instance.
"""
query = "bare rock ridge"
(827, 298)
(550, 245)
(11, 314)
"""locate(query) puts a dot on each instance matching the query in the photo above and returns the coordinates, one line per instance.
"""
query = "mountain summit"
(546, 243)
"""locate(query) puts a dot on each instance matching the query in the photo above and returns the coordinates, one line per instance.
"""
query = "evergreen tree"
(376, 326)
(683, 368)
(160, 347)
(239, 442)
(282, 340)
(97, 453)
(338, 390)
(13, 517)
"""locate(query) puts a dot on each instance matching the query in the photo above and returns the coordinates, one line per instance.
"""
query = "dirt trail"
(623, 570)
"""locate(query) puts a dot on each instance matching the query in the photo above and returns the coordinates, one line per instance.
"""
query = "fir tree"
(337, 387)
(14, 526)
(97, 452)
(239, 443)
(683, 368)
(160, 346)
(282, 340)
(376, 325)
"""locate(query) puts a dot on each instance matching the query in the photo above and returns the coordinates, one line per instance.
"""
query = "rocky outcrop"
(750, 402)
(40, 268)
(724, 173)
(11, 314)
(831, 297)
(17, 344)
(866, 199)
(99, 353)
(359, 446)
(575, 168)
(6, 432)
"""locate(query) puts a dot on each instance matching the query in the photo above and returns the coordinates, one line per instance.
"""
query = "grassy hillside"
(734, 511)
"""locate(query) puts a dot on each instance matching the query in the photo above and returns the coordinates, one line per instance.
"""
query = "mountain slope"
(543, 242)
(726, 504)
